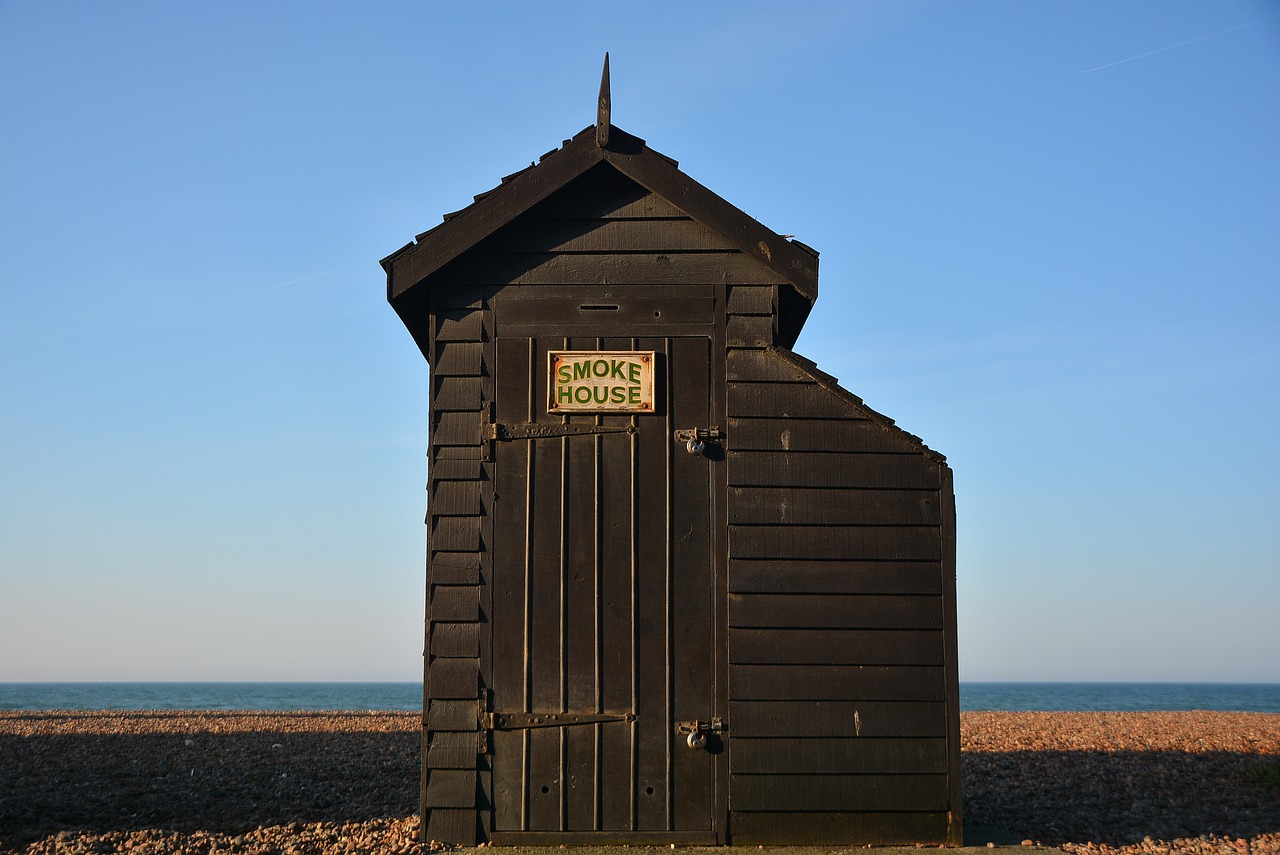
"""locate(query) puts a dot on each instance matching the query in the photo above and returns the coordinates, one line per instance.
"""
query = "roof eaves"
(805, 247)
(658, 173)
(492, 209)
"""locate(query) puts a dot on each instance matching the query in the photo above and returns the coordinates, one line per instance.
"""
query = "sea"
(1085, 697)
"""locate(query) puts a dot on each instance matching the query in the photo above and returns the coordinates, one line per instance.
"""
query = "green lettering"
(633, 395)
(633, 370)
(581, 370)
(600, 394)
(563, 374)
(564, 395)
(582, 394)
(600, 368)
(617, 371)
(617, 395)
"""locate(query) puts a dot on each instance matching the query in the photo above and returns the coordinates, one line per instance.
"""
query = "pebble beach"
(202, 783)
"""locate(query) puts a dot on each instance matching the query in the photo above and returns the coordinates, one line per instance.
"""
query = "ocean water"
(211, 696)
(1244, 697)
(1099, 697)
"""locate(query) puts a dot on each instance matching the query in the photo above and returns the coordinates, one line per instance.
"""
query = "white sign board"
(600, 381)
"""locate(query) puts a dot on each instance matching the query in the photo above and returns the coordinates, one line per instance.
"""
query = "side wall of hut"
(458, 528)
(841, 610)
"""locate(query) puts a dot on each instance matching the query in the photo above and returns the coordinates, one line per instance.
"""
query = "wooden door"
(603, 616)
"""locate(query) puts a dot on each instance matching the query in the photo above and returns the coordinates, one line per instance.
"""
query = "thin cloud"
(317, 275)
(1180, 44)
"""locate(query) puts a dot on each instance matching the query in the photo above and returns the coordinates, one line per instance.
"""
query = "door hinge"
(524, 721)
(532, 430)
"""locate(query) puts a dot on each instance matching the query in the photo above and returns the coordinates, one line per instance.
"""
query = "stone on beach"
(310, 783)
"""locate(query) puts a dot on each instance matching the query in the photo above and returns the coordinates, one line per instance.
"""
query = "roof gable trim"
(659, 174)
(464, 229)
(628, 154)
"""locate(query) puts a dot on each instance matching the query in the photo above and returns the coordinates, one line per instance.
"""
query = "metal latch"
(697, 731)
(695, 439)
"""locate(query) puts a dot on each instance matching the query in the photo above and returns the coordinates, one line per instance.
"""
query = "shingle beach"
(200, 783)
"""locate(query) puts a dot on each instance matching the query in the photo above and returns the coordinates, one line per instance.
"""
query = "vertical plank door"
(602, 606)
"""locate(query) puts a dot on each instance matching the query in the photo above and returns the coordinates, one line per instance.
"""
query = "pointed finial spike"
(602, 109)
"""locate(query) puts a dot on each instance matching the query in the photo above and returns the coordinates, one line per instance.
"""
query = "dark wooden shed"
(741, 556)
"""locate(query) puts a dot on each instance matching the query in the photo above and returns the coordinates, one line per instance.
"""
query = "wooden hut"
(709, 599)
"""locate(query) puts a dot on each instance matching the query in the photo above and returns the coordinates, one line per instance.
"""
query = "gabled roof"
(411, 265)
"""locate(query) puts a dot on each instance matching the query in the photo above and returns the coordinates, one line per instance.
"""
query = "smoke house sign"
(608, 381)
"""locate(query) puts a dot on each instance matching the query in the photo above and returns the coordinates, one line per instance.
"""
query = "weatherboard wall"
(460, 494)
(842, 685)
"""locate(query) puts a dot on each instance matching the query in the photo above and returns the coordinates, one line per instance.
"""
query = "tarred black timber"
(726, 618)
(955, 816)
(604, 107)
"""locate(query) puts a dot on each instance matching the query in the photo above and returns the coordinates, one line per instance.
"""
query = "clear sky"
(1050, 239)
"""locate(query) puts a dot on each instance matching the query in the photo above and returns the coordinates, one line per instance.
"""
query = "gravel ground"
(1141, 782)
(204, 783)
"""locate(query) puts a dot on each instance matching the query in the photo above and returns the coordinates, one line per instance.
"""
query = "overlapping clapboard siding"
(838, 618)
(459, 498)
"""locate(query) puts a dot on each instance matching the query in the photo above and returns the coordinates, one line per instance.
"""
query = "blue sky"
(1050, 246)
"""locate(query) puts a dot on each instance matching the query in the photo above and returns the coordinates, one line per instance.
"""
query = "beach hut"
(682, 587)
